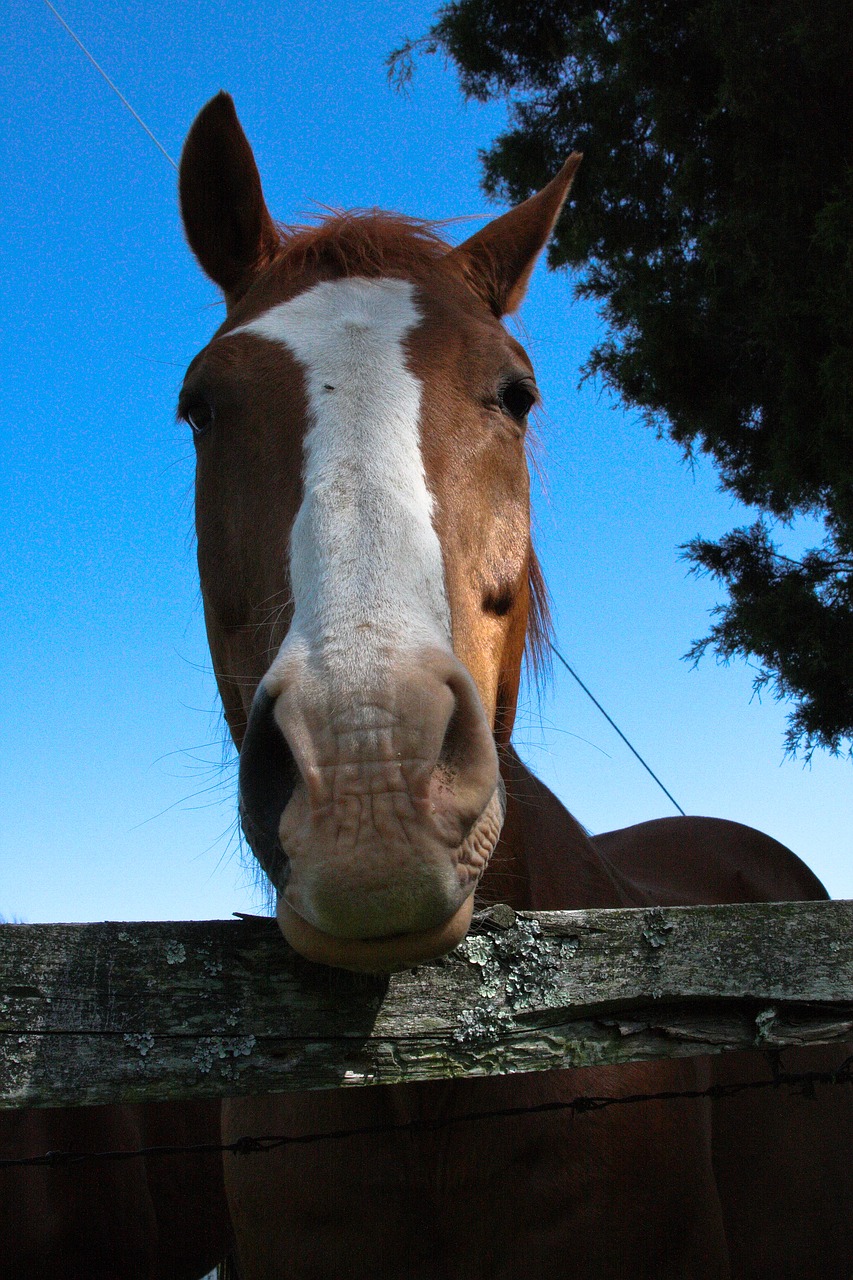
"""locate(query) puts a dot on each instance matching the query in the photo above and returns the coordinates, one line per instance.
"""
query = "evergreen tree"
(713, 219)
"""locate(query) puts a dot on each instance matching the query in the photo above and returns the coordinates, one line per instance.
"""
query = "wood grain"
(110, 1012)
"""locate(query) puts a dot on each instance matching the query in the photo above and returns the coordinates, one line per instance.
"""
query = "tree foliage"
(713, 219)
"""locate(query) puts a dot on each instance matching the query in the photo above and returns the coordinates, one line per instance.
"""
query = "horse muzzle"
(374, 816)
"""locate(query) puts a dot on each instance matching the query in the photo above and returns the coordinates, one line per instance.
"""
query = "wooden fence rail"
(141, 1012)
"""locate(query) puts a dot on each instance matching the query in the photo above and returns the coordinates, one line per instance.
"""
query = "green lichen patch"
(210, 1050)
(176, 953)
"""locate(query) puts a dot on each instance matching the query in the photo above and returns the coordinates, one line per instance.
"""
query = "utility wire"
(804, 1082)
(115, 90)
(614, 725)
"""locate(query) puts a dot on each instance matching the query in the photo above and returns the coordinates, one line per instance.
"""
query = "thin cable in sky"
(613, 723)
(116, 91)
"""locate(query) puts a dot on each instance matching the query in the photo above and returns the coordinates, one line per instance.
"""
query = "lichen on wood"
(83, 1018)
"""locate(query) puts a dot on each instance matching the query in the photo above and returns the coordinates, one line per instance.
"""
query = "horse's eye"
(518, 398)
(199, 414)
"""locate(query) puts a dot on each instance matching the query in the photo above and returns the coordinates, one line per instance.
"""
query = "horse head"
(362, 513)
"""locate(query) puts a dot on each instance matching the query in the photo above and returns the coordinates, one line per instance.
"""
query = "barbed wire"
(804, 1082)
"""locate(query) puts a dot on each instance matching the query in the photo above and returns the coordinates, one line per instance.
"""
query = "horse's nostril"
(452, 752)
(467, 761)
(268, 775)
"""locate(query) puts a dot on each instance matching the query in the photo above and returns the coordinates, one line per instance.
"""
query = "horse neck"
(545, 861)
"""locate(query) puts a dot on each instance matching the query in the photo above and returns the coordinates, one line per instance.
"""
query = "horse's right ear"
(228, 225)
(497, 260)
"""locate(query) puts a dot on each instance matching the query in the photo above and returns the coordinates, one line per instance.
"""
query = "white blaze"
(365, 561)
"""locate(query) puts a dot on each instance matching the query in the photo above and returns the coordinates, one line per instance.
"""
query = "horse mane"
(363, 242)
(537, 641)
(371, 242)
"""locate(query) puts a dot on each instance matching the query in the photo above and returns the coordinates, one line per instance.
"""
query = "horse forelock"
(363, 242)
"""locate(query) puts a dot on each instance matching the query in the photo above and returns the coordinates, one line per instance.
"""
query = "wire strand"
(115, 90)
(805, 1081)
(615, 726)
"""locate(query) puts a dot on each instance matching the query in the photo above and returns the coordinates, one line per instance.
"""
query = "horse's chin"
(373, 955)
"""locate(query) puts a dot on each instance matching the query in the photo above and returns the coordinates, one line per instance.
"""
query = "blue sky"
(117, 797)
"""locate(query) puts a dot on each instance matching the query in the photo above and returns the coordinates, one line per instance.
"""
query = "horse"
(369, 588)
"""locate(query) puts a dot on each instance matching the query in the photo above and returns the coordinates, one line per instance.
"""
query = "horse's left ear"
(497, 261)
(226, 219)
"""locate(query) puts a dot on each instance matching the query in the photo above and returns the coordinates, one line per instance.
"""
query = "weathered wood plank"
(140, 1012)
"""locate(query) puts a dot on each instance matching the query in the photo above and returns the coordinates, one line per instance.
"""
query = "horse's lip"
(373, 955)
